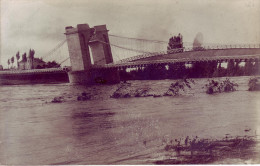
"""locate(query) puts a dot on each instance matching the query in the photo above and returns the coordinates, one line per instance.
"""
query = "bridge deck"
(241, 54)
(185, 60)
(50, 70)
(202, 54)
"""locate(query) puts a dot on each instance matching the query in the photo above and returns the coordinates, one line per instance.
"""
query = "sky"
(40, 24)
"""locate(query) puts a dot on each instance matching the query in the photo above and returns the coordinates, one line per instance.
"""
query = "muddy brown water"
(119, 131)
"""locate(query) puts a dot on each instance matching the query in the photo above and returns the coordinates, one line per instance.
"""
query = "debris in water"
(247, 129)
(84, 96)
(254, 84)
(219, 87)
(176, 87)
(57, 100)
(142, 92)
(156, 95)
(121, 91)
(204, 151)
(124, 92)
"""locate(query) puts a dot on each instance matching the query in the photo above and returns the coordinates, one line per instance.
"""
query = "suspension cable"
(165, 42)
(54, 49)
(64, 60)
(154, 41)
(140, 51)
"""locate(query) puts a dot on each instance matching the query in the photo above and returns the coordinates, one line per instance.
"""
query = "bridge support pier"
(103, 76)
(79, 77)
(94, 76)
(79, 41)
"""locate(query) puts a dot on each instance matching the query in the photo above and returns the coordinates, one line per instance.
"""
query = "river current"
(105, 130)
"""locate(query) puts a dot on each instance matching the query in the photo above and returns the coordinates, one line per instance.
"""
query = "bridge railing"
(189, 49)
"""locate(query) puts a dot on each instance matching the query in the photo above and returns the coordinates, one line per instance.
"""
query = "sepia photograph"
(134, 82)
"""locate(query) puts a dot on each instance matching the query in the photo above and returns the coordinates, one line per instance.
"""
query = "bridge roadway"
(49, 70)
(34, 76)
(189, 57)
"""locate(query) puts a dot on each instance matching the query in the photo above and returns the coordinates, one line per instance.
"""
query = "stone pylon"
(80, 40)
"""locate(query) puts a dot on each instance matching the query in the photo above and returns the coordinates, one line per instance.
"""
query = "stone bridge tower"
(80, 40)
(101, 51)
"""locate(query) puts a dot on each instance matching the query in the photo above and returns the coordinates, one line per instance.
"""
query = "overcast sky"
(39, 24)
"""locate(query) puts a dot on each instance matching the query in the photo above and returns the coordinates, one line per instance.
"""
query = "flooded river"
(133, 130)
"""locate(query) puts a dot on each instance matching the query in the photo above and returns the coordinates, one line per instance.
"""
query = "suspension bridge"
(135, 52)
(94, 49)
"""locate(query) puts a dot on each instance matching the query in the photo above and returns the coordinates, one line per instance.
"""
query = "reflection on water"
(119, 131)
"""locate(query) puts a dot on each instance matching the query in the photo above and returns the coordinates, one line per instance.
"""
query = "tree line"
(24, 57)
(49, 64)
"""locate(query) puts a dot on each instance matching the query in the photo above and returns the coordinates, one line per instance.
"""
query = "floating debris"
(121, 91)
(156, 95)
(57, 100)
(178, 86)
(84, 96)
(203, 151)
(219, 87)
(247, 130)
(142, 92)
(254, 84)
